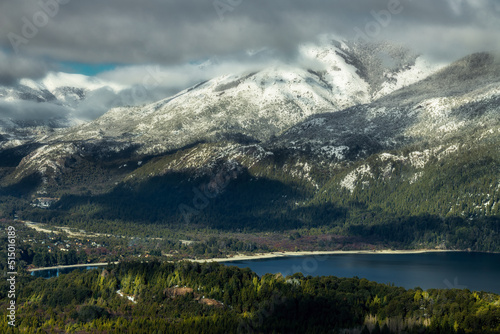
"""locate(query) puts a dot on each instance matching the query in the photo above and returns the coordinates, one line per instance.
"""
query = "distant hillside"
(356, 149)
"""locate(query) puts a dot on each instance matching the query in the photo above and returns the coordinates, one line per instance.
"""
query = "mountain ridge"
(333, 169)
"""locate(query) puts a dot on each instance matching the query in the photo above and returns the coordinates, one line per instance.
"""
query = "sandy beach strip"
(81, 265)
(274, 255)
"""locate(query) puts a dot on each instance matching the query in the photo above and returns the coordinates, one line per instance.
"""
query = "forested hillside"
(188, 297)
(415, 168)
(443, 198)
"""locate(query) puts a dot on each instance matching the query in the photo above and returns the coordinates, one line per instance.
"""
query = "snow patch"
(335, 151)
(349, 182)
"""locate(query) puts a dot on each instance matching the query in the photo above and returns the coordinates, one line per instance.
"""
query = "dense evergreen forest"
(186, 297)
(452, 202)
(439, 210)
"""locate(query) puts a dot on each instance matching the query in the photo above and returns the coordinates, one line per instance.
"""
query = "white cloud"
(178, 77)
(155, 43)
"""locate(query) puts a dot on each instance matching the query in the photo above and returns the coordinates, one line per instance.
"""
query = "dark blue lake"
(474, 271)
(48, 273)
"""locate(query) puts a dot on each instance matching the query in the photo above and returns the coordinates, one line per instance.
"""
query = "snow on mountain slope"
(246, 108)
(257, 105)
(461, 100)
(55, 88)
(368, 70)
(37, 107)
(71, 89)
(422, 69)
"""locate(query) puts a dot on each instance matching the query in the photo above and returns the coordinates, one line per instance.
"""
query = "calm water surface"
(48, 273)
(474, 271)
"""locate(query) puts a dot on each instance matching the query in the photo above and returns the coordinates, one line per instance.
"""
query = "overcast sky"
(122, 36)
(173, 32)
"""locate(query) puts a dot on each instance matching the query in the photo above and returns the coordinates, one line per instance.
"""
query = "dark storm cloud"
(174, 32)
(13, 67)
(29, 110)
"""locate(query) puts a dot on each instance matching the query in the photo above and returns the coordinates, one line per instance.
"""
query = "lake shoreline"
(81, 265)
(275, 255)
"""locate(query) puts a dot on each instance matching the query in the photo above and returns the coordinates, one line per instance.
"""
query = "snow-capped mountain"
(60, 89)
(340, 102)
(246, 108)
(35, 107)
(70, 89)
(260, 104)
(373, 130)
(459, 99)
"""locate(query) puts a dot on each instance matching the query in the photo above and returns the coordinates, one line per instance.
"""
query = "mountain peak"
(263, 103)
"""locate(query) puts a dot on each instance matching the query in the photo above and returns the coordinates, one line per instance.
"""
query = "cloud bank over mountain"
(158, 48)
(176, 32)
